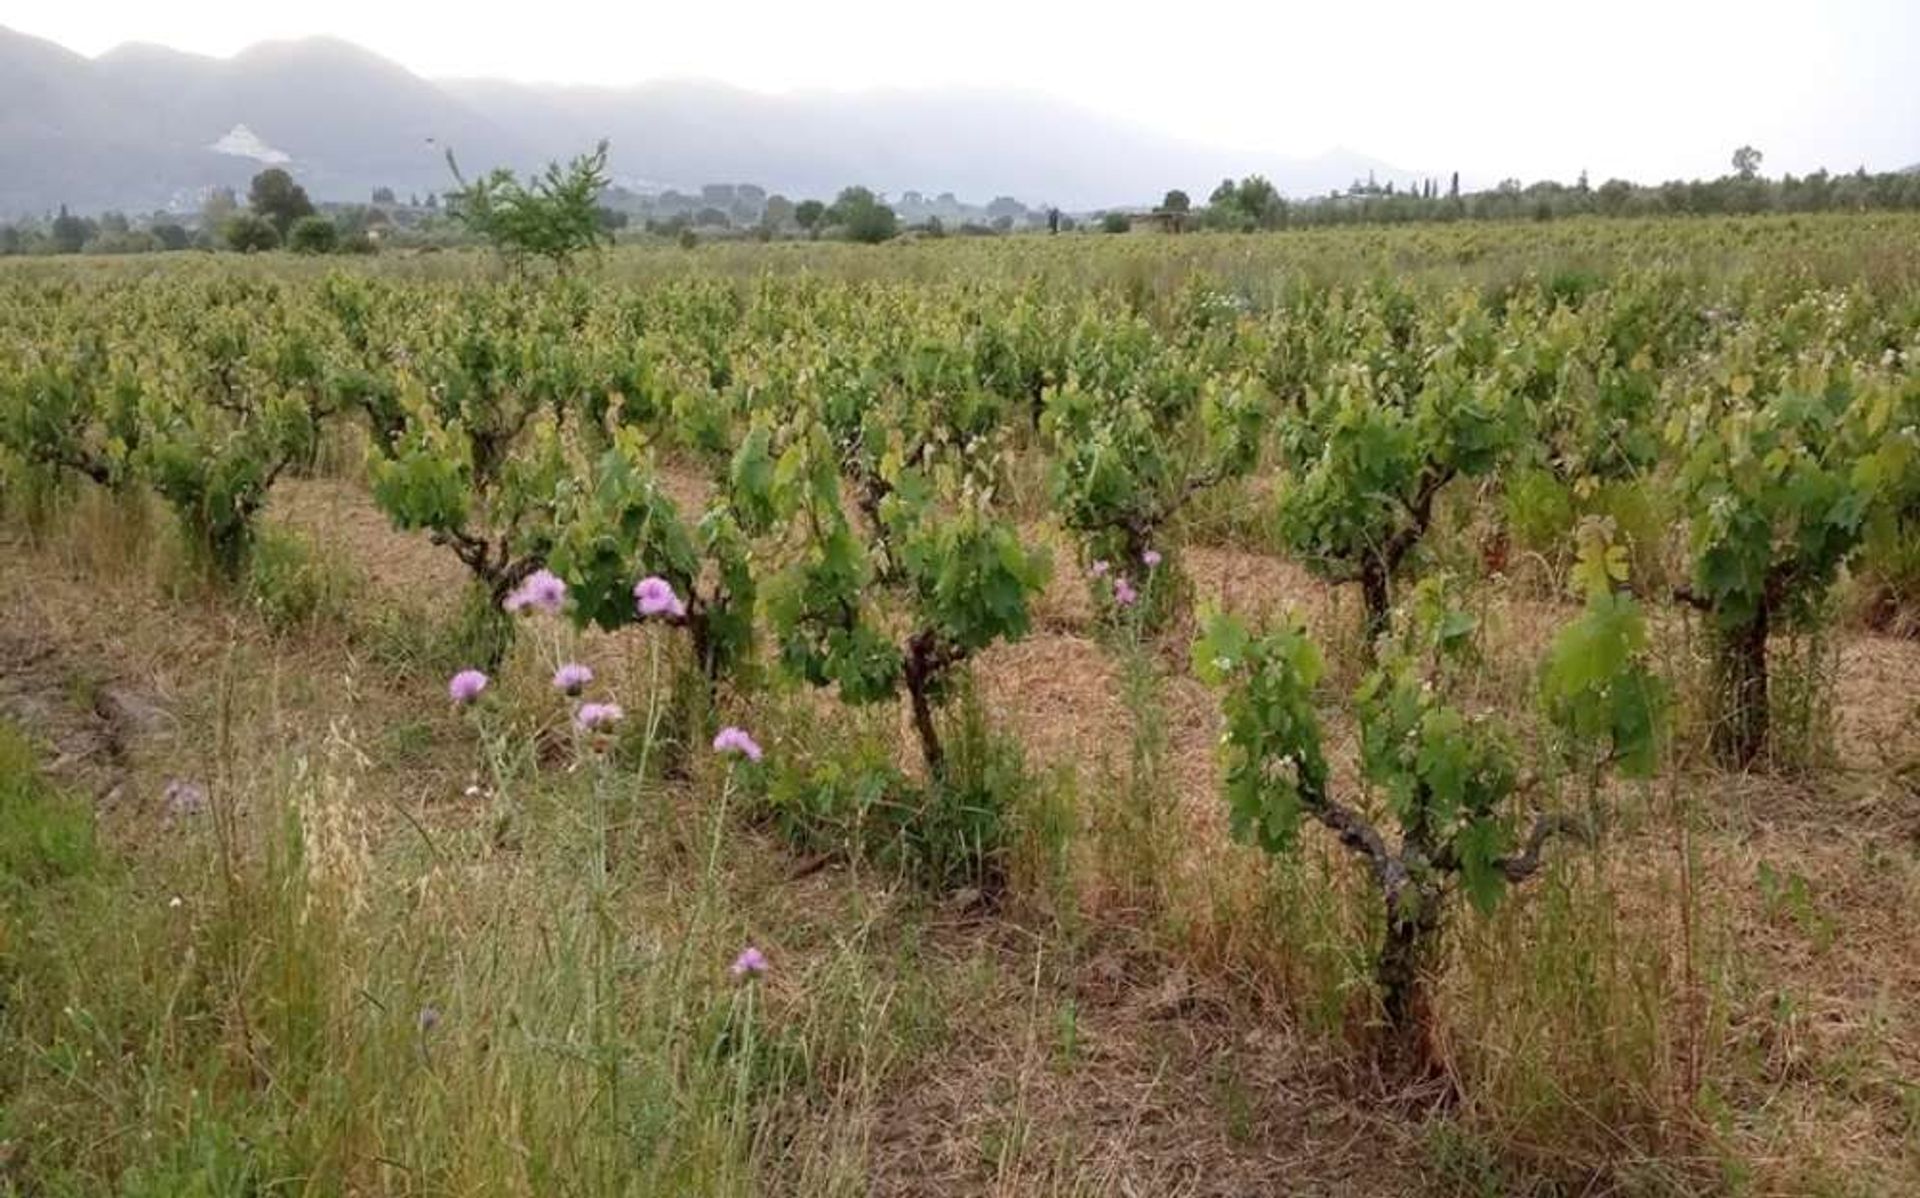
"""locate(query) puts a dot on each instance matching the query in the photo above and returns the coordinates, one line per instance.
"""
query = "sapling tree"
(553, 216)
(1446, 777)
(1780, 476)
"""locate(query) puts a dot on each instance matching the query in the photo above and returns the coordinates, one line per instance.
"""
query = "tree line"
(1254, 203)
(279, 214)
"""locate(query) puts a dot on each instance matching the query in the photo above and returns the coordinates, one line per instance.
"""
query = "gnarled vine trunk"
(1377, 596)
(1740, 731)
(1406, 955)
(924, 662)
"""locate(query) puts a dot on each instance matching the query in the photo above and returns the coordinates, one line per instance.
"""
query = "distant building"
(1161, 220)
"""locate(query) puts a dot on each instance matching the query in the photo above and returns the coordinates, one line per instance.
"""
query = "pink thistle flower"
(184, 798)
(542, 590)
(465, 687)
(593, 717)
(1151, 557)
(572, 678)
(751, 963)
(1123, 593)
(1099, 568)
(654, 596)
(736, 740)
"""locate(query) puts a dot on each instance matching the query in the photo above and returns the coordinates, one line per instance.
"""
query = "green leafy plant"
(468, 437)
(841, 793)
(1131, 448)
(73, 409)
(553, 216)
(292, 582)
(1445, 776)
(617, 525)
(1371, 453)
(1782, 491)
(899, 600)
(225, 420)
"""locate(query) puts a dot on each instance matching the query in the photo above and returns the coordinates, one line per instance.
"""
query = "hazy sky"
(1647, 89)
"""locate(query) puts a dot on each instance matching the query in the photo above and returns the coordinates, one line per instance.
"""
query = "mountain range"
(143, 127)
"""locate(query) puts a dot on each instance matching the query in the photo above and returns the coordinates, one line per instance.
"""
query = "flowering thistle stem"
(606, 1007)
(746, 1000)
(710, 882)
(656, 712)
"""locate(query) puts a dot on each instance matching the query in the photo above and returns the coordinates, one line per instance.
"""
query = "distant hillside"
(136, 128)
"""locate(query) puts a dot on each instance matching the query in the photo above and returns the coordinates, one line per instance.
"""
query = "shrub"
(291, 584)
(1781, 493)
(246, 233)
(960, 578)
(313, 235)
(1447, 777)
(620, 526)
(1373, 451)
(1132, 446)
(862, 216)
(249, 406)
(848, 798)
(463, 444)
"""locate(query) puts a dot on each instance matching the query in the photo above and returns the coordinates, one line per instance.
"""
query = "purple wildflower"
(751, 963)
(1151, 557)
(736, 740)
(429, 1018)
(466, 686)
(593, 717)
(184, 798)
(572, 678)
(1099, 568)
(542, 590)
(1123, 592)
(655, 597)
